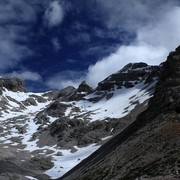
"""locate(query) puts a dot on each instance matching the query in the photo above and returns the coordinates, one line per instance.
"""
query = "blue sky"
(51, 44)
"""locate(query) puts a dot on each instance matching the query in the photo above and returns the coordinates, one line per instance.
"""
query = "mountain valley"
(44, 135)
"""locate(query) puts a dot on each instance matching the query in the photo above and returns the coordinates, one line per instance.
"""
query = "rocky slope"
(43, 135)
(149, 148)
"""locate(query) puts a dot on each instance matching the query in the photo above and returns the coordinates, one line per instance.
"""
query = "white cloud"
(155, 23)
(157, 28)
(54, 14)
(26, 75)
(98, 50)
(152, 45)
(164, 32)
(124, 55)
(64, 79)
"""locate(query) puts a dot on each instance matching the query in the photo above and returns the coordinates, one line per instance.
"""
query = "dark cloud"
(56, 44)
(16, 12)
(78, 37)
(16, 18)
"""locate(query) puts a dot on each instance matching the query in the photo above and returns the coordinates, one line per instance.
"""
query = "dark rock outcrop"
(13, 84)
(29, 102)
(167, 93)
(129, 76)
(52, 95)
(66, 93)
(56, 109)
(83, 87)
(81, 91)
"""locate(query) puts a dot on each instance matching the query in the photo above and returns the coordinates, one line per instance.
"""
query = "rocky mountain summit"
(148, 148)
(44, 135)
(11, 84)
(129, 76)
(166, 95)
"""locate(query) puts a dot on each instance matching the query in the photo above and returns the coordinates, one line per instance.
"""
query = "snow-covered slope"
(62, 128)
(122, 102)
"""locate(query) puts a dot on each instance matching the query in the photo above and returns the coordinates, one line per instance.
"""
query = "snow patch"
(64, 163)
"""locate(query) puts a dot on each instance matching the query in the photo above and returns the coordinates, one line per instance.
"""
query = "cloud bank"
(155, 27)
(26, 75)
(155, 24)
(157, 30)
(64, 79)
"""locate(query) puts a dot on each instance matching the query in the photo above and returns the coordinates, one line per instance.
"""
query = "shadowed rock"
(83, 87)
(129, 76)
(14, 84)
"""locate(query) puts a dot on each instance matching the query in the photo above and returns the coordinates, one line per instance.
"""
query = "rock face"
(11, 84)
(167, 93)
(149, 147)
(66, 93)
(83, 87)
(81, 91)
(129, 76)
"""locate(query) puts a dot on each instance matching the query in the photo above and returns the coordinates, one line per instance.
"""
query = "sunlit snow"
(64, 163)
(123, 101)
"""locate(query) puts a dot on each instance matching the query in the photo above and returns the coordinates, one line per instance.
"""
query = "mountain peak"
(171, 68)
(14, 84)
(84, 87)
(167, 92)
(134, 66)
(129, 76)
